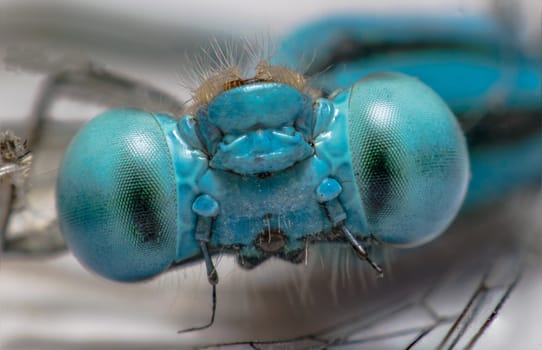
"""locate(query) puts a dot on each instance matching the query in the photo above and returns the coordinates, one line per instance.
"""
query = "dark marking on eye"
(139, 205)
(144, 216)
(382, 175)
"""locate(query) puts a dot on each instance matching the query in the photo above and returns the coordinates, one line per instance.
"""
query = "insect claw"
(360, 251)
(213, 313)
(212, 275)
(375, 266)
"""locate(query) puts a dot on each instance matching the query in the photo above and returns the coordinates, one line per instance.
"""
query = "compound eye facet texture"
(409, 157)
(116, 197)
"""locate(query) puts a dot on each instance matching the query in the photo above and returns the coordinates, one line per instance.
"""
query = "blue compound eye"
(409, 158)
(116, 197)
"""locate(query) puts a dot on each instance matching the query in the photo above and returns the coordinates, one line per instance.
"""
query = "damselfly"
(352, 49)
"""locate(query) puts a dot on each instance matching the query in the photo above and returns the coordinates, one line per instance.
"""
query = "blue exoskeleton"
(261, 166)
(264, 164)
(261, 170)
(476, 64)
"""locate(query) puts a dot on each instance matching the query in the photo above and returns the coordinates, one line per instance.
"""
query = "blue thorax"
(265, 153)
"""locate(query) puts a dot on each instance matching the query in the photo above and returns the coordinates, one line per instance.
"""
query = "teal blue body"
(474, 63)
(255, 177)
(263, 169)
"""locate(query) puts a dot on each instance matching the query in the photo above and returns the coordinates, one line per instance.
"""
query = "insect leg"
(87, 83)
(15, 160)
(206, 209)
(360, 251)
(328, 192)
(98, 85)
